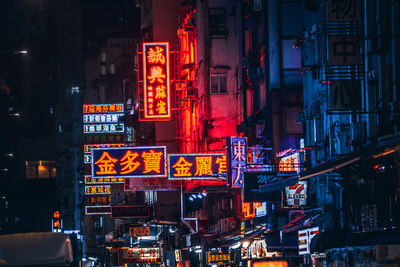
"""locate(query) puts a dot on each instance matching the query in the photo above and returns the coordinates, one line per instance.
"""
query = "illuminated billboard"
(140, 255)
(98, 200)
(103, 108)
(196, 166)
(296, 194)
(237, 159)
(156, 83)
(129, 162)
(97, 189)
(103, 128)
(106, 180)
(87, 150)
(102, 118)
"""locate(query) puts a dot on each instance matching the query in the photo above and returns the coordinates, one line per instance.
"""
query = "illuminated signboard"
(296, 194)
(103, 108)
(103, 128)
(215, 257)
(129, 162)
(96, 210)
(97, 189)
(290, 163)
(196, 166)
(87, 150)
(102, 118)
(237, 159)
(106, 180)
(139, 231)
(141, 255)
(156, 86)
(98, 200)
(56, 222)
(249, 209)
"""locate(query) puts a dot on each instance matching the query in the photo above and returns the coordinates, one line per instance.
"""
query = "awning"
(383, 148)
(305, 220)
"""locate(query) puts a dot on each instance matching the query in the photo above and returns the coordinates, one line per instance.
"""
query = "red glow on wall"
(156, 82)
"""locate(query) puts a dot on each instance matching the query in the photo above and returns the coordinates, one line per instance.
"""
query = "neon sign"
(141, 255)
(102, 118)
(129, 162)
(87, 150)
(56, 222)
(156, 87)
(196, 166)
(103, 108)
(290, 163)
(95, 210)
(98, 200)
(215, 257)
(106, 180)
(97, 190)
(103, 128)
(237, 154)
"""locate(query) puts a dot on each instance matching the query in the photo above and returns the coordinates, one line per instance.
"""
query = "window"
(40, 169)
(217, 22)
(218, 83)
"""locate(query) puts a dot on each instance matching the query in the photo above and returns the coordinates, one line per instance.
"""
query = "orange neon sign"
(156, 94)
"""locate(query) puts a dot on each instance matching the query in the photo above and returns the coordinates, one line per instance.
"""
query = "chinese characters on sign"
(94, 200)
(87, 150)
(344, 50)
(296, 195)
(196, 166)
(103, 118)
(141, 255)
(156, 81)
(106, 180)
(215, 257)
(98, 190)
(56, 222)
(139, 231)
(129, 162)
(290, 163)
(237, 159)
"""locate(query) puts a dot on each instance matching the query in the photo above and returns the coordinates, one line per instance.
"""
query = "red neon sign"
(156, 87)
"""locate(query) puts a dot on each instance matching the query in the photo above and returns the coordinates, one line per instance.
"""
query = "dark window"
(217, 22)
(218, 84)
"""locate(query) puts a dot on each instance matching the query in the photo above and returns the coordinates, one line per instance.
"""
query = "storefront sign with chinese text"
(103, 128)
(139, 231)
(98, 200)
(215, 257)
(106, 180)
(237, 159)
(141, 255)
(97, 190)
(290, 163)
(296, 195)
(102, 118)
(129, 162)
(87, 150)
(103, 108)
(56, 222)
(96, 210)
(156, 81)
(196, 166)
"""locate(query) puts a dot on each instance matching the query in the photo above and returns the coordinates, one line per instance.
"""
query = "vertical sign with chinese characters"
(56, 222)
(156, 87)
(237, 159)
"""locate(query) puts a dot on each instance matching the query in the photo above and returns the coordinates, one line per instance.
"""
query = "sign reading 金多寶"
(129, 162)
(156, 86)
(196, 166)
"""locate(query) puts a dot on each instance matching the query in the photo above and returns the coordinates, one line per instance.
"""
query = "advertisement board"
(156, 82)
(236, 149)
(141, 255)
(129, 162)
(196, 166)
(296, 194)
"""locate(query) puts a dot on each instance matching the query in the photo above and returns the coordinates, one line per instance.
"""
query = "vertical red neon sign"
(156, 93)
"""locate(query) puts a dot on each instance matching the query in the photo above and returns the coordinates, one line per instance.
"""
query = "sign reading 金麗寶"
(156, 86)
(129, 162)
(196, 166)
